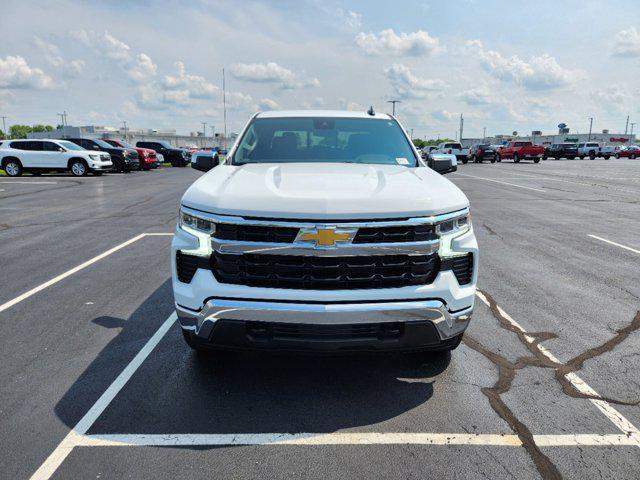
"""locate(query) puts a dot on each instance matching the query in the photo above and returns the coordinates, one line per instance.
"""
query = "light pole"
(204, 132)
(633, 124)
(125, 130)
(4, 127)
(484, 133)
(626, 127)
(590, 126)
(393, 102)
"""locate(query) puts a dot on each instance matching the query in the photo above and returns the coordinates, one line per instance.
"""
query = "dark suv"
(561, 150)
(479, 153)
(123, 159)
(177, 156)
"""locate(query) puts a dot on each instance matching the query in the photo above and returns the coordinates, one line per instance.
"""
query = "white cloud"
(50, 51)
(270, 72)
(104, 44)
(142, 69)
(612, 98)
(627, 43)
(189, 86)
(443, 115)
(539, 73)
(344, 104)
(73, 69)
(407, 85)
(15, 73)
(268, 104)
(387, 42)
(477, 96)
(351, 18)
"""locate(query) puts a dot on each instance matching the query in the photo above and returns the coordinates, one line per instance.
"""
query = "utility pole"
(590, 127)
(626, 127)
(204, 132)
(632, 125)
(461, 127)
(412, 134)
(224, 107)
(4, 127)
(484, 133)
(393, 102)
(125, 130)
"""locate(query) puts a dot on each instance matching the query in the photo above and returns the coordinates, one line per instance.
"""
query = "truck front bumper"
(390, 325)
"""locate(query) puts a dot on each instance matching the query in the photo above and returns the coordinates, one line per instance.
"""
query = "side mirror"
(60, 149)
(442, 163)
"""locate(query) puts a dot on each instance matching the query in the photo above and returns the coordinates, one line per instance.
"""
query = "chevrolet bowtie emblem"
(326, 236)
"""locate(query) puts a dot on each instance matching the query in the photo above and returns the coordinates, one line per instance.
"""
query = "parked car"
(316, 279)
(454, 148)
(561, 150)
(177, 156)
(497, 149)
(204, 160)
(38, 156)
(631, 151)
(442, 162)
(588, 149)
(521, 150)
(608, 151)
(480, 153)
(124, 159)
(146, 156)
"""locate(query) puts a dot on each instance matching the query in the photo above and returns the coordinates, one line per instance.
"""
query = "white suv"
(17, 156)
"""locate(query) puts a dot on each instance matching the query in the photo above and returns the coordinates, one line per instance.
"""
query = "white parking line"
(504, 183)
(76, 269)
(348, 438)
(619, 420)
(614, 243)
(72, 439)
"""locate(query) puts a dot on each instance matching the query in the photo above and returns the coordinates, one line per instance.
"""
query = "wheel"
(607, 157)
(617, 155)
(632, 156)
(475, 159)
(581, 157)
(493, 160)
(536, 160)
(498, 159)
(465, 160)
(13, 168)
(516, 158)
(78, 168)
(592, 155)
(544, 157)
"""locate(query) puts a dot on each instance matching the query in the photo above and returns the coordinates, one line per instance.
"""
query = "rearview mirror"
(442, 163)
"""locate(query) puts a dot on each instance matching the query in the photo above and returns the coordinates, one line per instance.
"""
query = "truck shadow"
(177, 391)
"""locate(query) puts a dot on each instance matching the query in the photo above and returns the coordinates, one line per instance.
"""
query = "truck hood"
(324, 191)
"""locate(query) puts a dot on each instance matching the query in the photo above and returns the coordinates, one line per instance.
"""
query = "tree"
(2, 136)
(20, 131)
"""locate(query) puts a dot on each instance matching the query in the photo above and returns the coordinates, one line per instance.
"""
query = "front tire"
(607, 157)
(536, 160)
(498, 159)
(13, 168)
(516, 158)
(617, 155)
(78, 168)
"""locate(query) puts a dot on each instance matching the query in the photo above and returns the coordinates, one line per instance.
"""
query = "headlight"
(450, 229)
(201, 229)
(94, 157)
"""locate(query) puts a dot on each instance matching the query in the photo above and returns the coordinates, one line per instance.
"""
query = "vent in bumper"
(186, 266)
(462, 268)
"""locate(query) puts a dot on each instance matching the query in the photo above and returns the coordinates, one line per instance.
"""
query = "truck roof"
(321, 113)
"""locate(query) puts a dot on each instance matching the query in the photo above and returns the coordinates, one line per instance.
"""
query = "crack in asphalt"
(573, 365)
(507, 372)
(491, 230)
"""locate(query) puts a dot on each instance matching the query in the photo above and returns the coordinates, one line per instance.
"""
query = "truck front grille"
(271, 234)
(462, 267)
(325, 273)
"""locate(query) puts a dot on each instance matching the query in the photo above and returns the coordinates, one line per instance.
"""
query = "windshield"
(324, 139)
(70, 145)
(103, 144)
(165, 145)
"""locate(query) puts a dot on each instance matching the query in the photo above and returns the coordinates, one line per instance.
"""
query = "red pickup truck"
(521, 151)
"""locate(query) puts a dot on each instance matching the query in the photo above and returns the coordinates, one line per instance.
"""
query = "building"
(604, 138)
(133, 135)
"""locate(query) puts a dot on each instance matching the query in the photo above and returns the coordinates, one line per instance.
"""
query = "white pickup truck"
(589, 149)
(454, 148)
(324, 230)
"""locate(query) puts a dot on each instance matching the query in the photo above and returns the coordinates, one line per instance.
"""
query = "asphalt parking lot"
(97, 382)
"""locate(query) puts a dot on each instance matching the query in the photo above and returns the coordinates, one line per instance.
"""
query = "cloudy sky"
(505, 65)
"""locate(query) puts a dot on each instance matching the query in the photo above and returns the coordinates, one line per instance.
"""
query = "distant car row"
(86, 155)
(525, 150)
